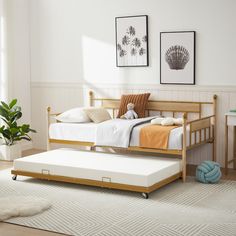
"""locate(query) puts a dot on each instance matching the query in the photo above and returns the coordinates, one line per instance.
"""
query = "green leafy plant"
(10, 132)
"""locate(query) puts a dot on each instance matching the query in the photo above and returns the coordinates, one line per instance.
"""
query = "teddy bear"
(130, 114)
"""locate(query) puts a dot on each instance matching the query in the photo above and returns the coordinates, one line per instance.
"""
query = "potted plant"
(11, 132)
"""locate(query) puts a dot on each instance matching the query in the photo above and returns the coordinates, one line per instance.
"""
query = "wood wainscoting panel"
(75, 95)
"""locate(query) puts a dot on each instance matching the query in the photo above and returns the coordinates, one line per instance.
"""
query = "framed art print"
(131, 41)
(177, 57)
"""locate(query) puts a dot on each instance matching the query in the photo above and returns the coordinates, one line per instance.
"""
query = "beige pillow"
(75, 115)
(97, 115)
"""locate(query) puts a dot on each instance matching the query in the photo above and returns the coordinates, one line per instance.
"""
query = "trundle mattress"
(127, 169)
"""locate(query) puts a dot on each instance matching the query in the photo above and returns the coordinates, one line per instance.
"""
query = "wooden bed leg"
(184, 166)
(48, 124)
(184, 150)
(48, 146)
(214, 128)
(213, 150)
(90, 98)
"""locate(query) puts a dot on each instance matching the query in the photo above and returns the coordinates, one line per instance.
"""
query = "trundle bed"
(192, 134)
(130, 172)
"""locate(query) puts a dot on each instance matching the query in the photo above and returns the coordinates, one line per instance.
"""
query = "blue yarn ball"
(208, 172)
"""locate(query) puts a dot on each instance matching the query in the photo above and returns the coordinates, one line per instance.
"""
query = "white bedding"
(125, 169)
(87, 132)
(117, 132)
(75, 132)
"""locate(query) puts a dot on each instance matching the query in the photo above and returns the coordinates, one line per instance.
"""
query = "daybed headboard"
(161, 106)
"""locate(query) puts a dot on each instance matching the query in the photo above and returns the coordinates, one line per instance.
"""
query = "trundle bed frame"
(199, 127)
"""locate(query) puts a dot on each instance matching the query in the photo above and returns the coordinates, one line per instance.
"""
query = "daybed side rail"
(62, 141)
(200, 131)
(55, 114)
(48, 122)
(184, 148)
(204, 130)
(51, 115)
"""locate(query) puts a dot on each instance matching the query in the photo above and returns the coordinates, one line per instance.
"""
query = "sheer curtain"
(3, 52)
(3, 55)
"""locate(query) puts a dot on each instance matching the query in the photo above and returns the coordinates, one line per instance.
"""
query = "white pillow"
(75, 115)
(178, 121)
(168, 121)
(97, 115)
(157, 121)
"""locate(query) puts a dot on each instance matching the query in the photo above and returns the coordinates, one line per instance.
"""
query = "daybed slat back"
(173, 106)
(111, 104)
(161, 106)
(201, 124)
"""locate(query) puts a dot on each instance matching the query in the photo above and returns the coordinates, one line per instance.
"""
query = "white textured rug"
(12, 206)
(177, 209)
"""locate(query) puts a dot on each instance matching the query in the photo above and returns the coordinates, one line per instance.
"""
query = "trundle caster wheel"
(14, 177)
(145, 195)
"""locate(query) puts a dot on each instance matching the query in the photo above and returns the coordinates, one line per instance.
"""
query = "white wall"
(74, 41)
(18, 55)
(73, 50)
(15, 56)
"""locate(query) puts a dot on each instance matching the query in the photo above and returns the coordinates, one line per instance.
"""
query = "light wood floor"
(15, 230)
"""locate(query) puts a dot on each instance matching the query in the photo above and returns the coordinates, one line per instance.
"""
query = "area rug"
(176, 209)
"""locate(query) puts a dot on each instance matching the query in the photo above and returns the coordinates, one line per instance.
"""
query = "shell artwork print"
(177, 57)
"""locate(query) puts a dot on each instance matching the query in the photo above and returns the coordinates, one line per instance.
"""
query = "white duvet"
(117, 132)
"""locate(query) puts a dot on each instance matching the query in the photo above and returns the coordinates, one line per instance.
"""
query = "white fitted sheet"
(87, 132)
(73, 131)
(125, 169)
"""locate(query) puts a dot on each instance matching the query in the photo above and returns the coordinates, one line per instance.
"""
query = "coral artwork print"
(130, 44)
(131, 41)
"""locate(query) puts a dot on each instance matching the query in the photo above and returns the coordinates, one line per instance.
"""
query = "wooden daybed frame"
(200, 125)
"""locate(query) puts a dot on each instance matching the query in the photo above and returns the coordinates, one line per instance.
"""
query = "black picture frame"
(146, 49)
(192, 80)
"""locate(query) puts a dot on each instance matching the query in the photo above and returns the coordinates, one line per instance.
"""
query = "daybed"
(192, 134)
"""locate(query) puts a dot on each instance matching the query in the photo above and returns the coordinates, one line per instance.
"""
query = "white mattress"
(73, 131)
(129, 169)
(87, 132)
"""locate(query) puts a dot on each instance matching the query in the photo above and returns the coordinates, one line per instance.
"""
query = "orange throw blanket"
(155, 136)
